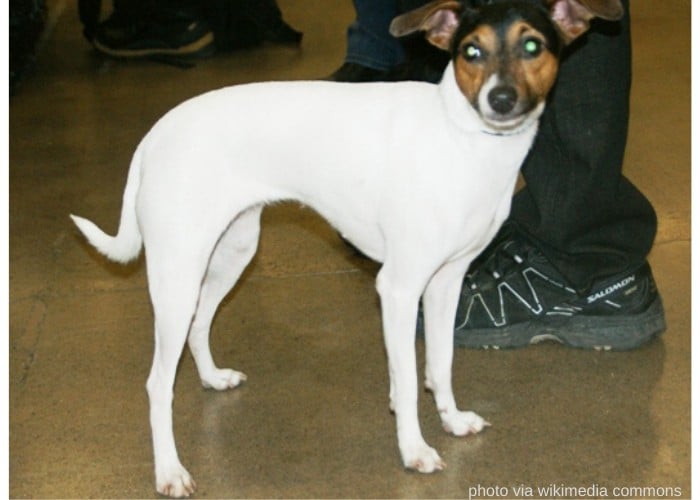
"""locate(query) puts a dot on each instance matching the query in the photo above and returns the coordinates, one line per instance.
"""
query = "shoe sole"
(201, 47)
(602, 333)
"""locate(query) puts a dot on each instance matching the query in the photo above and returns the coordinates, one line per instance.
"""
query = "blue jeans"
(369, 42)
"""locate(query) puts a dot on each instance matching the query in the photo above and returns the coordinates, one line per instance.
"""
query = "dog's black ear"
(573, 16)
(438, 19)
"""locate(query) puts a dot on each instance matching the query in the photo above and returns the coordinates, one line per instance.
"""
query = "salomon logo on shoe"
(611, 289)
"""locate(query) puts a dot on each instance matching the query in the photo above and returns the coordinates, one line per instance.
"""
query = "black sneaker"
(168, 33)
(514, 298)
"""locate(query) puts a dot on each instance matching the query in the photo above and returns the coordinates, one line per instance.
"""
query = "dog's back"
(339, 148)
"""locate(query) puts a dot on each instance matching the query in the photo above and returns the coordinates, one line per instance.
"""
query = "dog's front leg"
(399, 300)
(439, 308)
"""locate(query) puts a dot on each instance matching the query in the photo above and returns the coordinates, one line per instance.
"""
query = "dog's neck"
(461, 113)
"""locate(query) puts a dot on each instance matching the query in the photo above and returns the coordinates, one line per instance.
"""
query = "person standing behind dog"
(570, 263)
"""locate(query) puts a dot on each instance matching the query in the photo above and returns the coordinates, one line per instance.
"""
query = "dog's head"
(505, 53)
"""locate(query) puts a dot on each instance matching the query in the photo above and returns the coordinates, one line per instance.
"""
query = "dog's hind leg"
(174, 282)
(233, 252)
(439, 308)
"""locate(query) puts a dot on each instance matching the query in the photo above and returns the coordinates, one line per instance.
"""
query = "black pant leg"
(588, 219)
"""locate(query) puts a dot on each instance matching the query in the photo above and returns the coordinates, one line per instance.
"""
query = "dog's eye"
(472, 52)
(532, 47)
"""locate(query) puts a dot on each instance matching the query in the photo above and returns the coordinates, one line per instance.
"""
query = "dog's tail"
(126, 245)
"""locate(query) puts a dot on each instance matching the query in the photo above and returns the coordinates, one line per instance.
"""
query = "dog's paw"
(175, 482)
(223, 378)
(463, 423)
(423, 459)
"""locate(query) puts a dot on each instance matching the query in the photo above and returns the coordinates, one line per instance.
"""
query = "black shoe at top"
(163, 33)
(514, 297)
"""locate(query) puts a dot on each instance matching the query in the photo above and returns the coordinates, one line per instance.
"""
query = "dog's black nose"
(502, 99)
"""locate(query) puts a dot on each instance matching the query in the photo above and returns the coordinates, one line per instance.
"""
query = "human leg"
(589, 220)
(369, 42)
(570, 264)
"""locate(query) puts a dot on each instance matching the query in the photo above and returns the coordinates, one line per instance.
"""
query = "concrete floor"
(312, 420)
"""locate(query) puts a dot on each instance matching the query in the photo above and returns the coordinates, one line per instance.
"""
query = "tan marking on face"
(532, 77)
(471, 76)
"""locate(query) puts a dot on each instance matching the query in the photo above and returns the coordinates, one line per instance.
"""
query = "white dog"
(417, 176)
